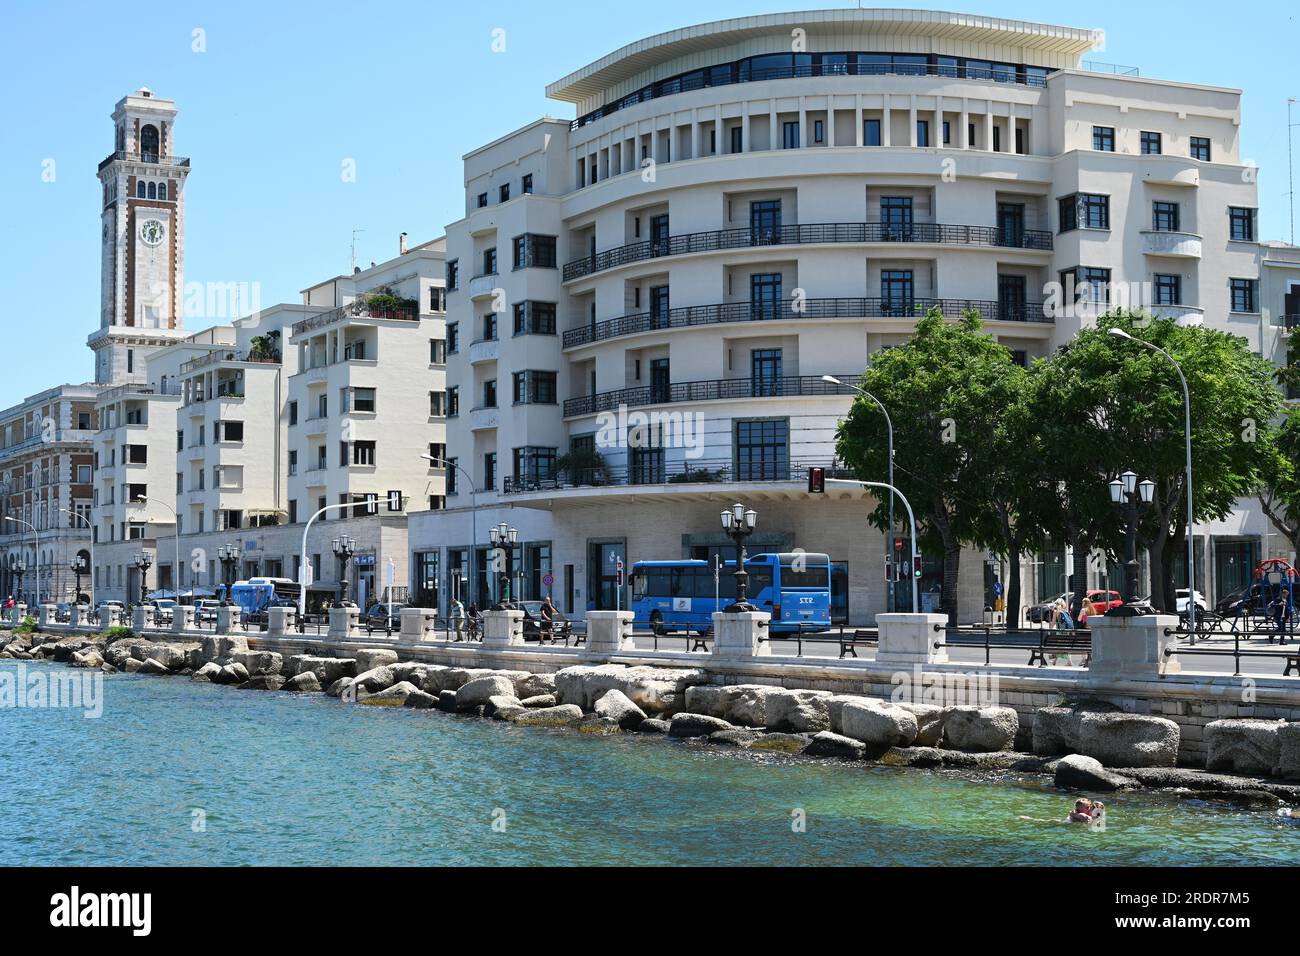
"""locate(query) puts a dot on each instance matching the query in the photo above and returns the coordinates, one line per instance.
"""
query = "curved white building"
(743, 207)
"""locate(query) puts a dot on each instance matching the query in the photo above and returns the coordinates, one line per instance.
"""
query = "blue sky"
(285, 92)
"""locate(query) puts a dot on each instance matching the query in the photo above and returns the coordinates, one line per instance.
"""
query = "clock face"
(152, 232)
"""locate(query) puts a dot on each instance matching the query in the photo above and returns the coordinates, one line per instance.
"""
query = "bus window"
(811, 576)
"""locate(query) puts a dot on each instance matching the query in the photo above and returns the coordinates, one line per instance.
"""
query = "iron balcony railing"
(808, 233)
(655, 471)
(360, 309)
(845, 308)
(707, 391)
(150, 157)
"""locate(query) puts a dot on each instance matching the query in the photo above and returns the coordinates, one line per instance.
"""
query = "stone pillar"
(228, 620)
(910, 639)
(502, 628)
(142, 618)
(343, 623)
(737, 634)
(182, 618)
(279, 620)
(19, 612)
(45, 615)
(74, 615)
(609, 632)
(419, 623)
(1132, 647)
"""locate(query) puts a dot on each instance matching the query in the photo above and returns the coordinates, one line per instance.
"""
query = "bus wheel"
(656, 624)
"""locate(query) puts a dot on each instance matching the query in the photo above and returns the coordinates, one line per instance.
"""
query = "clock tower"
(142, 250)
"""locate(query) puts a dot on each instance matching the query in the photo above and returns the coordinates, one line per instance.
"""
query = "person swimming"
(1082, 812)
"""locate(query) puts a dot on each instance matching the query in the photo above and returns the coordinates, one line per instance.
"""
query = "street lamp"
(91, 572)
(78, 567)
(228, 555)
(37, 535)
(889, 424)
(142, 563)
(1187, 430)
(1133, 499)
(738, 524)
(176, 557)
(344, 546)
(503, 538)
(18, 568)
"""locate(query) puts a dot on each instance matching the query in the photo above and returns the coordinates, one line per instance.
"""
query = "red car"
(1096, 602)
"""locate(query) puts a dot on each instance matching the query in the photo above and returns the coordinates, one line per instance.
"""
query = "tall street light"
(889, 423)
(503, 538)
(228, 555)
(142, 563)
(37, 535)
(1187, 428)
(78, 514)
(344, 546)
(1133, 499)
(176, 558)
(739, 525)
(911, 519)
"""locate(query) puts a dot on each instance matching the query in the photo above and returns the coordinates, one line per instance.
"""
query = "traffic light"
(816, 481)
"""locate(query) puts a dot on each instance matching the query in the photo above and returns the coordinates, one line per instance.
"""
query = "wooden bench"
(860, 638)
(1062, 642)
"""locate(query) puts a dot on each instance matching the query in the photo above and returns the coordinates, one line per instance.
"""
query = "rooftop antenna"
(355, 233)
(1290, 164)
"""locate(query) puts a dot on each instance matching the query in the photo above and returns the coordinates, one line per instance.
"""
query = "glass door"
(765, 222)
(660, 387)
(659, 235)
(1012, 300)
(765, 372)
(896, 219)
(896, 292)
(1011, 224)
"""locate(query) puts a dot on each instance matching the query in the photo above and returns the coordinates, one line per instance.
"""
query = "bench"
(554, 634)
(860, 638)
(1061, 642)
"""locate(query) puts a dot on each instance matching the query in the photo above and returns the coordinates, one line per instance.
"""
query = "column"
(609, 632)
(988, 127)
(857, 119)
(911, 120)
(963, 135)
(910, 638)
(1132, 648)
(738, 634)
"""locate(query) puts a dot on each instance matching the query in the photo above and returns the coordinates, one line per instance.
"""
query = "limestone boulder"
(541, 700)
(980, 729)
(561, 715)
(696, 725)
(929, 723)
(615, 705)
(656, 690)
(259, 662)
(211, 671)
(130, 665)
(507, 712)
(500, 702)
(1288, 754)
(1077, 772)
(798, 711)
(372, 657)
(1116, 738)
(447, 701)
(597, 725)
(420, 700)
(326, 669)
(393, 696)
(835, 706)
(64, 648)
(744, 705)
(1244, 746)
(782, 743)
(116, 653)
(653, 725)
(304, 683)
(741, 737)
(835, 746)
(151, 666)
(90, 657)
(480, 689)
(342, 687)
(263, 682)
(374, 680)
(534, 685)
(221, 648)
(878, 725)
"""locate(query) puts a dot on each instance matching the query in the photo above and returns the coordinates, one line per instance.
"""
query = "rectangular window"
(533, 251)
(533, 387)
(490, 393)
(229, 431)
(437, 352)
(437, 299)
(453, 274)
(896, 291)
(737, 139)
(293, 511)
(533, 464)
(1164, 216)
(482, 200)
(526, 184)
(819, 131)
(534, 318)
(765, 295)
(293, 413)
(453, 400)
(1201, 148)
(1169, 290)
(363, 453)
(923, 133)
(947, 133)
(1241, 222)
(1020, 141)
(1245, 295)
(871, 132)
(503, 192)
(997, 139)
(363, 399)
(1151, 143)
(1103, 139)
(490, 261)
(1094, 282)
(489, 328)
(293, 465)
(763, 450)
(453, 338)
(452, 475)
(490, 471)
(790, 136)
(1084, 211)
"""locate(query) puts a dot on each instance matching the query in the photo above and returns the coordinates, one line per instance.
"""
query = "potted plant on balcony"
(583, 466)
(265, 348)
(386, 304)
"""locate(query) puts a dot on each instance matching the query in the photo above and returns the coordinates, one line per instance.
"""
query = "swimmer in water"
(1082, 812)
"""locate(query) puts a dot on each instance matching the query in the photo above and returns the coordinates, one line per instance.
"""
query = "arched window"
(153, 191)
(139, 189)
(149, 144)
(162, 191)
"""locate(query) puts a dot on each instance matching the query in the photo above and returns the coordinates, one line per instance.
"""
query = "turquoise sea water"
(284, 779)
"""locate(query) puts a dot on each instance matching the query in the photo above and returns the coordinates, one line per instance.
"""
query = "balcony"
(386, 308)
(930, 233)
(484, 285)
(1182, 314)
(316, 425)
(847, 308)
(152, 158)
(484, 418)
(226, 355)
(484, 350)
(708, 391)
(675, 473)
(1176, 245)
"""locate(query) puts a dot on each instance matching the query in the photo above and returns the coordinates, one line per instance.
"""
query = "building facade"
(644, 302)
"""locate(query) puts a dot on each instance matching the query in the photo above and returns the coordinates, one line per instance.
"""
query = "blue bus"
(255, 595)
(679, 595)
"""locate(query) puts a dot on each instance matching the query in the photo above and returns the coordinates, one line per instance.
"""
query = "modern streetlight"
(142, 563)
(228, 555)
(176, 557)
(344, 546)
(1133, 499)
(91, 572)
(916, 558)
(738, 524)
(889, 423)
(473, 498)
(1187, 428)
(37, 535)
(503, 538)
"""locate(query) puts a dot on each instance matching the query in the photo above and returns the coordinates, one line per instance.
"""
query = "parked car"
(108, 609)
(1096, 601)
(533, 619)
(381, 617)
(205, 611)
(1181, 595)
(164, 609)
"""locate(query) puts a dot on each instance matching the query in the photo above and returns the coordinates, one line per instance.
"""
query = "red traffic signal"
(816, 481)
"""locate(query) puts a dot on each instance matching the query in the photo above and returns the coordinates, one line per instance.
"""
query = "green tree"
(1279, 491)
(945, 390)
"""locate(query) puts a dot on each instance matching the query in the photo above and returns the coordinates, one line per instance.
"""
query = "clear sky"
(285, 92)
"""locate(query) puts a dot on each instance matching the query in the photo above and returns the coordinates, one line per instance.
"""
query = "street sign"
(548, 579)
(898, 544)
(305, 574)
(816, 481)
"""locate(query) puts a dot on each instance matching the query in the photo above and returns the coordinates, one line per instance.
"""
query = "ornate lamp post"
(739, 525)
(503, 538)
(78, 567)
(1133, 499)
(228, 555)
(142, 563)
(18, 567)
(343, 547)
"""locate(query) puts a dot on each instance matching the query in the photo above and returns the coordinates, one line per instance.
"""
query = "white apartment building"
(742, 207)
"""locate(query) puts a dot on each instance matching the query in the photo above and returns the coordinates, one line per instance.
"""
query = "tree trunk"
(951, 574)
(1013, 583)
(1082, 545)
(1156, 562)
